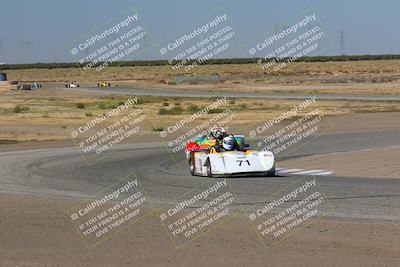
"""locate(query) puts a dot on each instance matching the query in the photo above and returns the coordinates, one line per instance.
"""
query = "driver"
(228, 144)
(218, 134)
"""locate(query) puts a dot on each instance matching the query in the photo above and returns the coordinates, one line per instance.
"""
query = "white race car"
(71, 85)
(244, 162)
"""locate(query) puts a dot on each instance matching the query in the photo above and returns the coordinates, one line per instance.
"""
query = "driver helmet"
(218, 133)
(228, 143)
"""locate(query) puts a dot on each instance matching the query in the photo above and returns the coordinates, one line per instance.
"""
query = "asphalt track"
(197, 93)
(62, 172)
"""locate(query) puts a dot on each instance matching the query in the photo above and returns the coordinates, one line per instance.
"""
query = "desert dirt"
(347, 77)
(36, 231)
(378, 162)
(46, 114)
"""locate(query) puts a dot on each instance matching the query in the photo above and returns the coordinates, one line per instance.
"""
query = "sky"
(41, 30)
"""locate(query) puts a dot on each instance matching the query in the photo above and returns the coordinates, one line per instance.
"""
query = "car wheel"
(192, 167)
(271, 172)
(209, 171)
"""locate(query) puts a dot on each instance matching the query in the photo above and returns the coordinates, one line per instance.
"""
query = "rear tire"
(209, 171)
(192, 167)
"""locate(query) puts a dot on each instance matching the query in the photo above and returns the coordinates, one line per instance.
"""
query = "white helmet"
(228, 143)
(217, 132)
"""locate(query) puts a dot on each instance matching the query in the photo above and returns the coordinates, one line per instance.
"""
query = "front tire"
(192, 166)
(209, 171)
(271, 172)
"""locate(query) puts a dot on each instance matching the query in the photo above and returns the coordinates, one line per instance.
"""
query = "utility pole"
(1, 51)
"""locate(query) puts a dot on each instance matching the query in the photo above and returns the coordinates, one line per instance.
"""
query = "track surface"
(62, 172)
(194, 93)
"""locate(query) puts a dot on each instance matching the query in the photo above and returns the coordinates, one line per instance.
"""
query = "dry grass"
(367, 77)
(231, 72)
(48, 117)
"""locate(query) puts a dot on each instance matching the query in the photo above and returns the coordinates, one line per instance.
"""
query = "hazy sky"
(39, 30)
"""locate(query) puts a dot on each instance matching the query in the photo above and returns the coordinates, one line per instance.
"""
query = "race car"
(206, 159)
(71, 85)
(103, 84)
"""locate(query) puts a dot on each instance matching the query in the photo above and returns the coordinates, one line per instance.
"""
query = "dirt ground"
(346, 77)
(382, 163)
(35, 231)
(47, 114)
(379, 162)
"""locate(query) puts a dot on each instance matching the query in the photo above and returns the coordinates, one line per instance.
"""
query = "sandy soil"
(36, 231)
(359, 77)
(49, 112)
(383, 163)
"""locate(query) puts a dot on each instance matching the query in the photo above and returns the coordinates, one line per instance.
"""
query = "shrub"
(162, 111)
(80, 105)
(193, 108)
(157, 129)
(177, 110)
(165, 104)
(112, 105)
(140, 101)
(18, 109)
(216, 110)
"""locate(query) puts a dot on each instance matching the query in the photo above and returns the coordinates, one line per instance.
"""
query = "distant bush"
(177, 110)
(110, 104)
(193, 108)
(205, 62)
(140, 101)
(162, 111)
(216, 110)
(157, 129)
(165, 104)
(80, 105)
(18, 109)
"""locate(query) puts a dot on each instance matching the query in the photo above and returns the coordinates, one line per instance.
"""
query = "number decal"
(241, 161)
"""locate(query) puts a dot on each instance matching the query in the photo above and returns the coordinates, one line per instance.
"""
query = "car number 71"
(241, 162)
